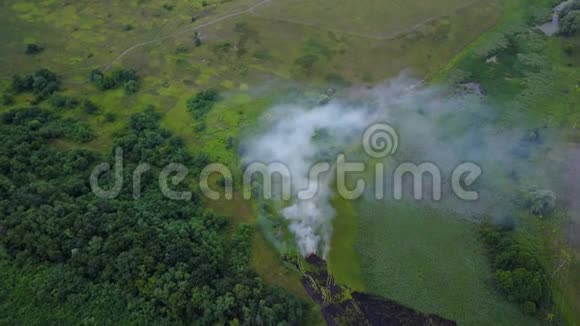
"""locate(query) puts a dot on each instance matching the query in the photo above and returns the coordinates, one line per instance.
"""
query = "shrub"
(33, 49)
(131, 87)
(201, 103)
(64, 102)
(7, 98)
(110, 117)
(570, 24)
(90, 107)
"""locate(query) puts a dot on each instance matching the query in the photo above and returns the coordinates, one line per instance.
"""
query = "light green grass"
(343, 260)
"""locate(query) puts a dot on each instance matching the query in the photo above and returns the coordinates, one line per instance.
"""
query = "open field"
(370, 18)
(431, 261)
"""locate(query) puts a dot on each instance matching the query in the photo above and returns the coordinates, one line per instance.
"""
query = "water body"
(552, 27)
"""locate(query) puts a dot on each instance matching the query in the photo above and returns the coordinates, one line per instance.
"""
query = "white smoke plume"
(289, 140)
(434, 126)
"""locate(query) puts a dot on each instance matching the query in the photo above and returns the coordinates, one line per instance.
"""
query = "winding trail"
(189, 29)
(251, 10)
(378, 37)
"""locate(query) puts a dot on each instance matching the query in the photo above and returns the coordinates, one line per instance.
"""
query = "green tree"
(570, 24)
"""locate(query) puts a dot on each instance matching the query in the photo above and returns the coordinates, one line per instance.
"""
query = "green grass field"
(431, 261)
(375, 19)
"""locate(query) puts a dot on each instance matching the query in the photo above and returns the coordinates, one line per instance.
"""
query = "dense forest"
(150, 257)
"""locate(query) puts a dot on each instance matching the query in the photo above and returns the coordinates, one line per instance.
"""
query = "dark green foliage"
(222, 47)
(43, 294)
(200, 126)
(41, 83)
(570, 23)
(44, 125)
(518, 272)
(33, 48)
(230, 142)
(131, 87)
(90, 107)
(197, 39)
(110, 117)
(574, 5)
(126, 78)
(201, 103)
(64, 102)
(7, 98)
(158, 257)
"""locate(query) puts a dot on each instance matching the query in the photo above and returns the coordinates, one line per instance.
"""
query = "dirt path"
(185, 30)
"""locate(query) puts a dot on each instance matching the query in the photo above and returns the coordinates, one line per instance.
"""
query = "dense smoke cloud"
(290, 139)
(434, 125)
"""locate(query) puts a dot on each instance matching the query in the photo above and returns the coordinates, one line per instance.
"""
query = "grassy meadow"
(432, 261)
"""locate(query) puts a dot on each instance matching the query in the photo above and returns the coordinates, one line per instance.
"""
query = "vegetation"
(165, 255)
(570, 23)
(125, 78)
(518, 271)
(64, 102)
(428, 260)
(200, 104)
(41, 83)
(33, 48)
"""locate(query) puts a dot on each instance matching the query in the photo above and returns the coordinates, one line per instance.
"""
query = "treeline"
(169, 257)
(518, 272)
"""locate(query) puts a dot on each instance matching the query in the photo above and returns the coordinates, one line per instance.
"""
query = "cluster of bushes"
(44, 124)
(570, 19)
(64, 102)
(42, 83)
(170, 256)
(518, 272)
(200, 104)
(60, 101)
(126, 78)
